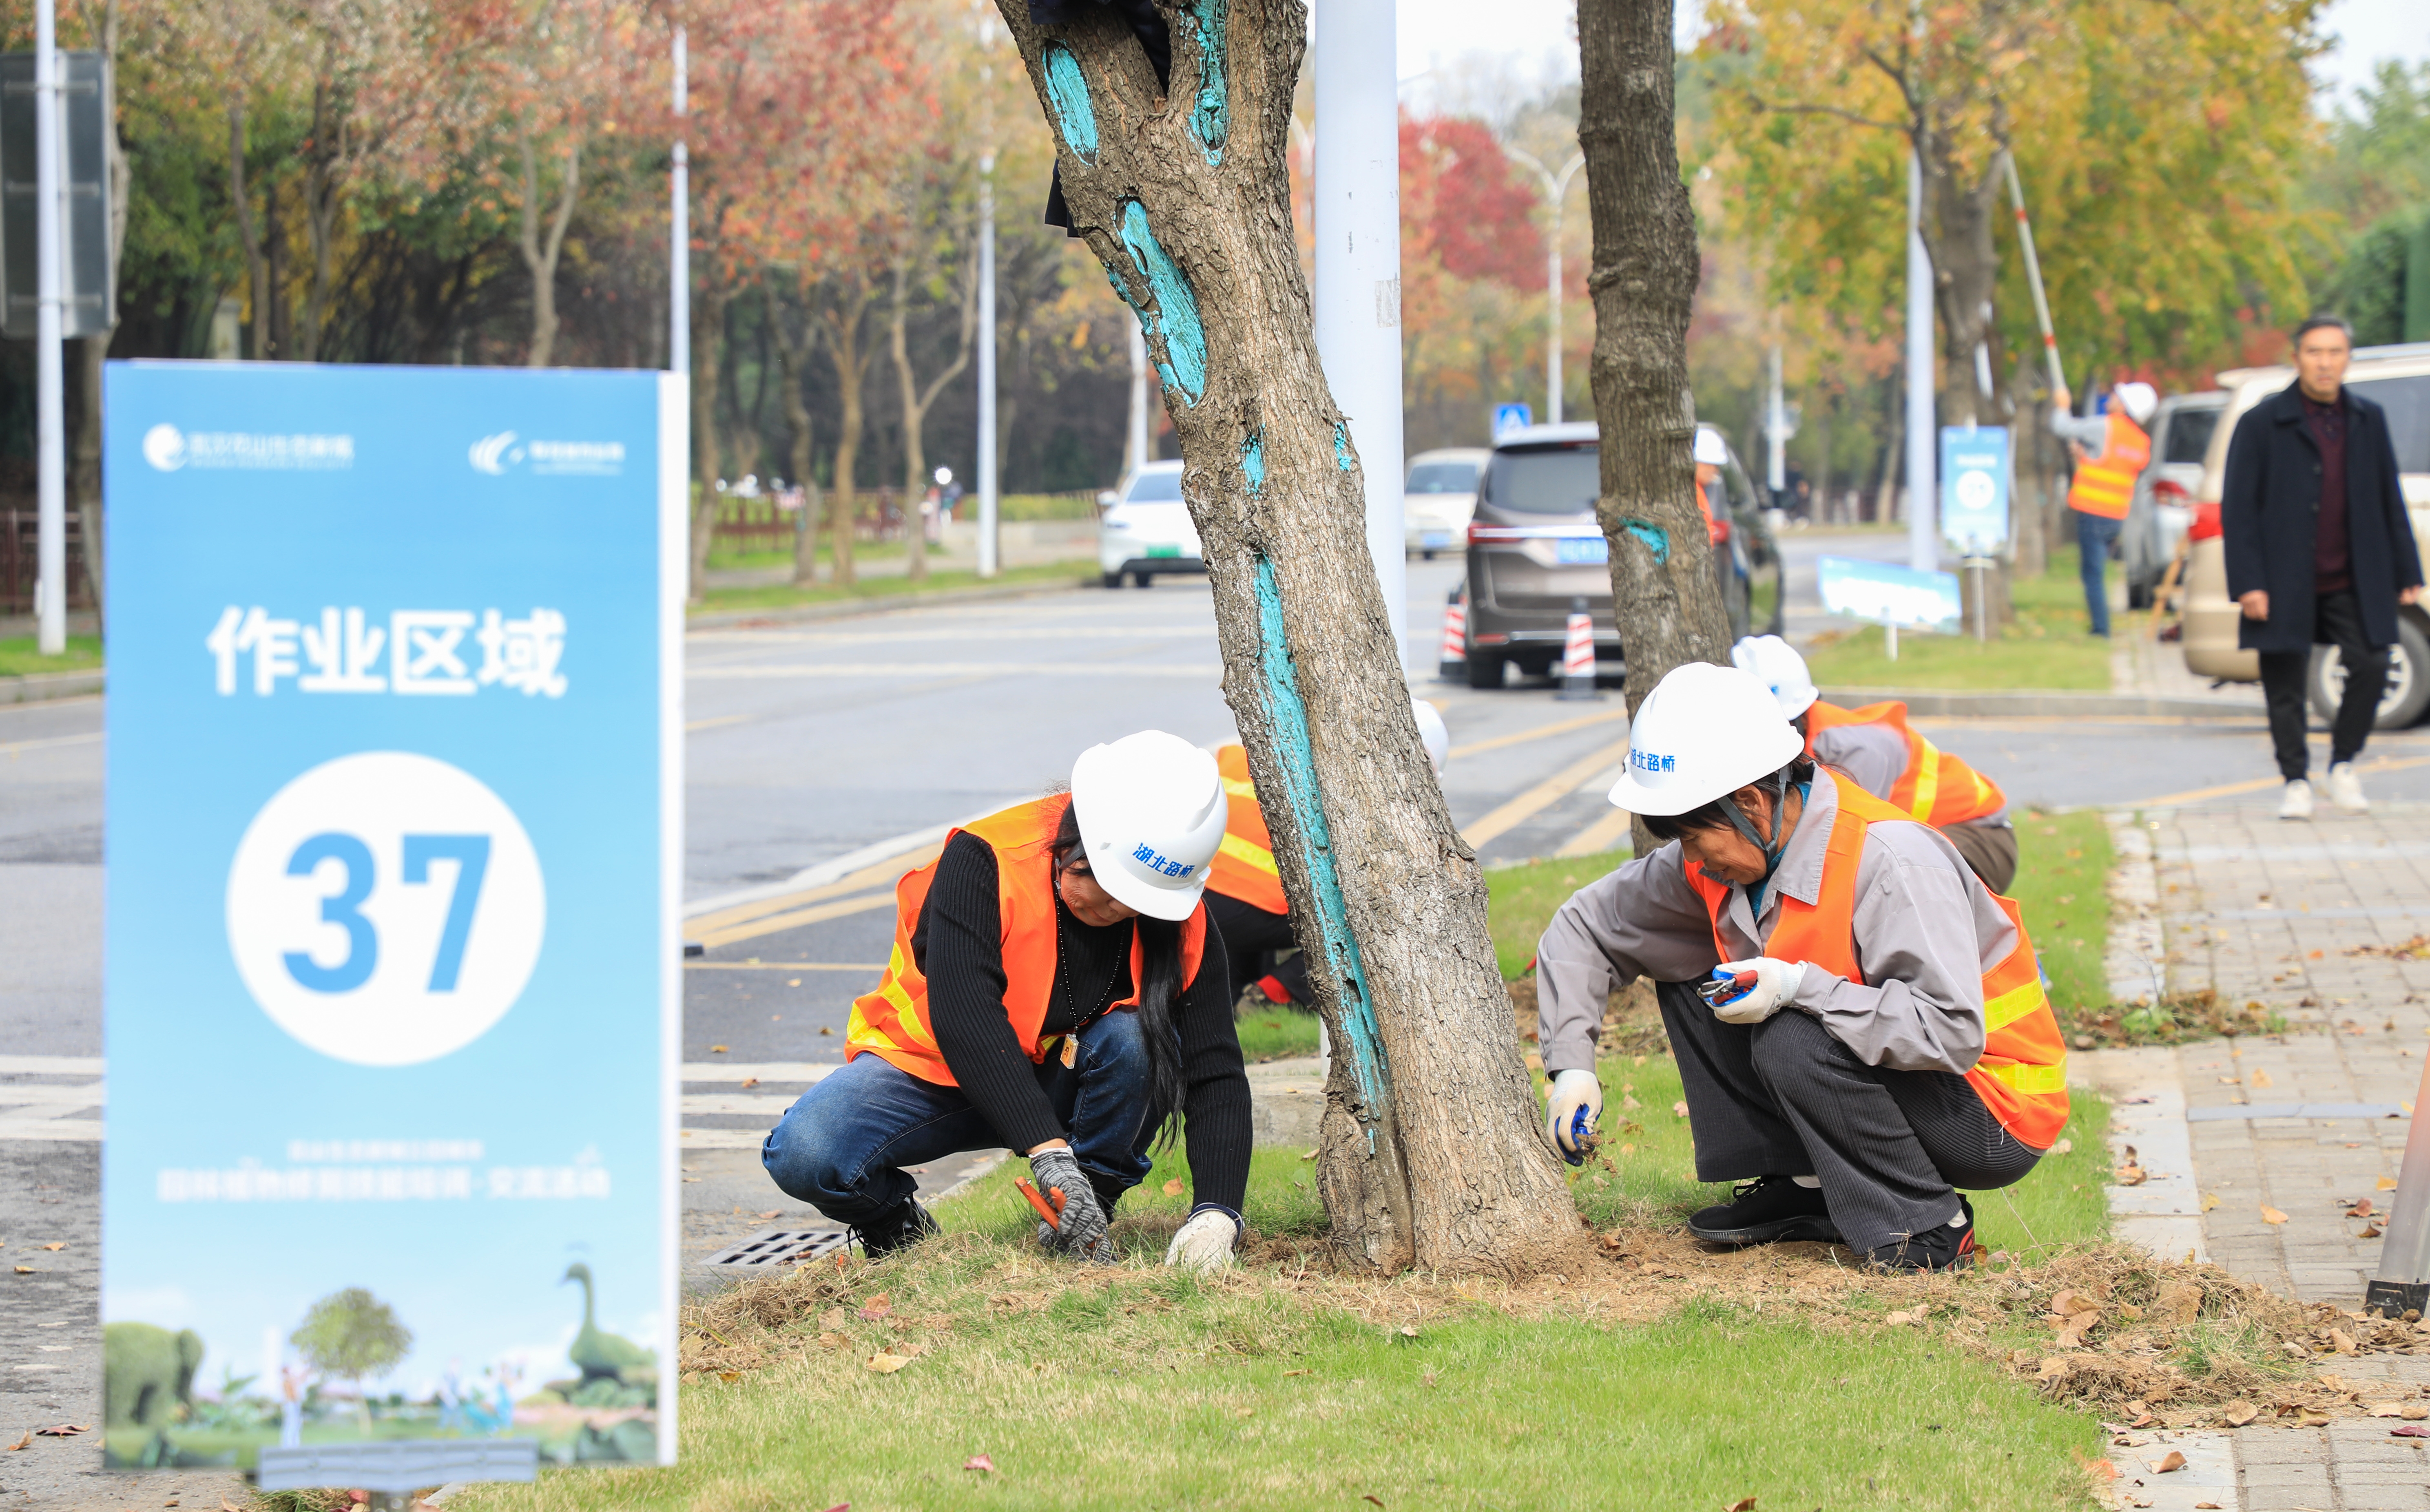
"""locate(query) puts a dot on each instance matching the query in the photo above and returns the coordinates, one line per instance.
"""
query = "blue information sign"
(1887, 593)
(394, 836)
(1512, 417)
(1974, 488)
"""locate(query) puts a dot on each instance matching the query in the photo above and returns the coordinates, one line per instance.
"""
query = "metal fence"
(19, 561)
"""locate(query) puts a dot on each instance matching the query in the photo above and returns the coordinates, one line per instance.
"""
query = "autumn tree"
(1429, 1152)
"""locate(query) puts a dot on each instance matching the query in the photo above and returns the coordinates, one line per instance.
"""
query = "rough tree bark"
(84, 446)
(540, 250)
(257, 262)
(842, 327)
(708, 330)
(1665, 596)
(793, 354)
(327, 160)
(1429, 1152)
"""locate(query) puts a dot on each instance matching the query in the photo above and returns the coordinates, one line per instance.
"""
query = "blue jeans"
(843, 1145)
(2093, 534)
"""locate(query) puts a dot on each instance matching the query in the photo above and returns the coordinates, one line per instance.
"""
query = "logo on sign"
(495, 454)
(164, 447)
(168, 449)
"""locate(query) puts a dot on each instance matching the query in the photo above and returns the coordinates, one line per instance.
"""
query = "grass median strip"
(2044, 646)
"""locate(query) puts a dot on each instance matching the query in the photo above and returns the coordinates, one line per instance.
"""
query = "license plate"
(1164, 551)
(1581, 549)
(1434, 538)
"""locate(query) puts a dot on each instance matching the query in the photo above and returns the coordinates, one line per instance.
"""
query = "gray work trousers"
(1782, 1097)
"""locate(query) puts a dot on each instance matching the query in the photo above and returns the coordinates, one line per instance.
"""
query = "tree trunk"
(915, 459)
(84, 453)
(540, 253)
(844, 342)
(256, 262)
(324, 175)
(1429, 1152)
(1665, 595)
(1891, 451)
(708, 329)
(274, 235)
(790, 357)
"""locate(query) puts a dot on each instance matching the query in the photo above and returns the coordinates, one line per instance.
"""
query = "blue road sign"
(1887, 594)
(1974, 488)
(395, 841)
(1512, 417)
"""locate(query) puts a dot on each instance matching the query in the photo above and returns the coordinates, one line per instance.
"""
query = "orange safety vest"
(2021, 1076)
(892, 1022)
(1716, 531)
(1936, 787)
(1243, 868)
(2106, 485)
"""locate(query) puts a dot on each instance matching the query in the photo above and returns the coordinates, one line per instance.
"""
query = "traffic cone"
(1578, 657)
(1454, 667)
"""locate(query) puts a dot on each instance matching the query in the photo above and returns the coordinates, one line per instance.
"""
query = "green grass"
(19, 658)
(2062, 889)
(1275, 1031)
(786, 596)
(2045, 646)
(1524, 898)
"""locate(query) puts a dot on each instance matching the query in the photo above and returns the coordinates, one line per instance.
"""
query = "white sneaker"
(2298, 801)
(2345, 790)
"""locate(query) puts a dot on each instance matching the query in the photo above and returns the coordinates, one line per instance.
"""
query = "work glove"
(1205, 1242)
(1572, 1090)
(1775, 983)
(1081, 1230)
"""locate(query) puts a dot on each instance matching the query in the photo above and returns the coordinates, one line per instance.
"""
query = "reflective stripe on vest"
(1934, 787)
(2021, 1076)
(892, 1019)
(2106, 486)
(1244, 867)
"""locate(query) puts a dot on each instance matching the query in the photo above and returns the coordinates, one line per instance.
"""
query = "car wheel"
(1143, 580)
(1112, 579)
(1484, 669)
(2408, 678)
(1426, 556)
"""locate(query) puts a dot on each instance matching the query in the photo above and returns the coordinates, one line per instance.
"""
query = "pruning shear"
(1582, 1138)
(1726, 987)
(1053, 1215)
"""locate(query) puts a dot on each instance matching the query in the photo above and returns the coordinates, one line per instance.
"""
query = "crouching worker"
(1875, 1034)
(1056, 987)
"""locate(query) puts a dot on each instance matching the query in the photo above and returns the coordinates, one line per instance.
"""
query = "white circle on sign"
(164, 447)
(386, 909)
(1975, 490)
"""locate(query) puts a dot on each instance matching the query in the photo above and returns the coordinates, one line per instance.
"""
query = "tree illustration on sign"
(351, 1335)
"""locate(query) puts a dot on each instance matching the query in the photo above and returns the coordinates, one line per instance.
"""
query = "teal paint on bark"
(1341, 447)
(1362, 1045)
(1253, 462)
(1067, 93)
(1184, 365)
(1657, 539)
(1211, 121)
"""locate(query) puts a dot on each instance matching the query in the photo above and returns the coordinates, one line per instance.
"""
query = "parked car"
(1534, 547)
(2398, 379)
(1440, 497)
(1146, 530)
(2163, 507)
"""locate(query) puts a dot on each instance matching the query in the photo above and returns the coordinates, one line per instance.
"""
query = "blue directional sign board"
(1974, 488)
(1887, 594)
(1512, 417)
(392, 968)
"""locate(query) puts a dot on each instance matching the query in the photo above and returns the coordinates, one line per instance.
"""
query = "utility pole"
(680, 235)
(1557, 190)
(989, 564)
(1359, 265)
(50, 416)
(1923, 435)
(1776, 431)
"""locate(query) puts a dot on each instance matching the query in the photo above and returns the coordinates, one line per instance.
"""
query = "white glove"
(1572, 1090)
(1205, 1242)
(1775, 983)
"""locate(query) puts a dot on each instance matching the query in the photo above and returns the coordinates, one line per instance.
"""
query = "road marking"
(723, 1139)
(1541, 732)
(712, 938)
(739, 1103)
(784, 966)
(710, 724)
(1604, 833)
(50, 1065)
(883, 873)
(19, 1096)
(16, 746)
(51, 1131)
(1540, 797)
(916, 671)
(2227, 789)
(763, 1071)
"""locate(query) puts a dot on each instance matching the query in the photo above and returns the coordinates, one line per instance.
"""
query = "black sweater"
(958, 942)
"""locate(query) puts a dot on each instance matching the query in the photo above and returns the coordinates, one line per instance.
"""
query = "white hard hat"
(1710, 447)
(1704, 731)
(1775, 664)
(2140, 399)
(1151, 808)
(1432, 730)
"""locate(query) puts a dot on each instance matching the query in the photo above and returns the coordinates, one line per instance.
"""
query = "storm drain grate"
(781, 1246)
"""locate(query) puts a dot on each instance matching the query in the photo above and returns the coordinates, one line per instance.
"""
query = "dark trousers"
(2336, 622)
(1248, 934)
(1782, 1097)
(2093, 534)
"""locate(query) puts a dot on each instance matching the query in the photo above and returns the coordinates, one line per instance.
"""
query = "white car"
(1440, 497)
(1147, 529)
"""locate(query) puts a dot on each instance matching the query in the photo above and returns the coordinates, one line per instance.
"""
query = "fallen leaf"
(1173, 1187)
(54, 1246)
(1288, 1375)
(23, 1442)
(2414, 1412)
(2316, 955)
(717, 1050)
(2101, 1469)
(2228, 1081)
(1370, 1497)
(825, 1029)
(832, 1340)
(772, 1212)
(1680, 1108)
(2132, 1175)
(2063, 1147)
(65, 1430)
(2410, 1431)
(876, 1308)
(2210, 1200)
(2238, 1413)
(749, 1082)
(1311, 1155)
(2258, 1078)
(2070, 1300)
(1408, 1330)
(2386, 1409)
(2361, 1208)
(25, 1270)
(2341, 1342)
(2171, 1461)
(729, 1378)
(889, 1364)
(227, 1505)
(1744, 1503)
(1899, 1319)
(2371, 1231)
(2070, 1333)
(980, 1463)
(2206, 1506)
(2271, 1215)
(2388, 1184)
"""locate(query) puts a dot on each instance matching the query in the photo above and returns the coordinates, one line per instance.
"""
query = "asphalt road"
(809, 742)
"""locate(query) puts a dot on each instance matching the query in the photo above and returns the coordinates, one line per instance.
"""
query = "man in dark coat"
(2320, 551)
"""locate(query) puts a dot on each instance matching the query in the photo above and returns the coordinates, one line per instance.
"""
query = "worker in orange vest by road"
(1858, 1023)
(2111, 453)
(1244, 888)
(1895, 763)
(1712, 454)
(1056, 987)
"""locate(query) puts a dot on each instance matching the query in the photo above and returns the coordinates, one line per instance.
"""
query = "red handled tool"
(1053, 1215)
(1726, 987)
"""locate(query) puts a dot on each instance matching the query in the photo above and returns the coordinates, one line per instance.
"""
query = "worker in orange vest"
(1858, 1021)
(1244, 888)
(2110, 452)
(1056, 987)
(1876, 746)
(1712, 454)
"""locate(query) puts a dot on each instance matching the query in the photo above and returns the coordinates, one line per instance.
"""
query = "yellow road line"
(1541, 732)
(710, 724)
(784, 966)
(754, 928)
(1604, 833)
(2227, 789)
(883, 874)
(16, 746)
(1540, 797)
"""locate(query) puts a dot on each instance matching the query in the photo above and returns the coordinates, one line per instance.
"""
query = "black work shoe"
(1940, 1248)
(889, 1232)
(1764, 1211)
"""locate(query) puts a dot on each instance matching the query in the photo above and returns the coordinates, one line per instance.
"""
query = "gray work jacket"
(1925, 931)
(1876, 757)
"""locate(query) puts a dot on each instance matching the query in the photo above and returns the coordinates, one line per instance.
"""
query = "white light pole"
(989, 565)
(1923, 435)
(680, 235)
(50, 425)
(1776, 431)
(1359, 265)
(1556, 190)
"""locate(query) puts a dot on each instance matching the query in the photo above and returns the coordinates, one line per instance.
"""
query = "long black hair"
(1159, 984)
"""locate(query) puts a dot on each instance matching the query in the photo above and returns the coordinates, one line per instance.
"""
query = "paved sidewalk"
(2285, 1131)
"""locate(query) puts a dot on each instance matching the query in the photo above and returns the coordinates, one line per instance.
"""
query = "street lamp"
(1557, 190)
